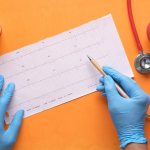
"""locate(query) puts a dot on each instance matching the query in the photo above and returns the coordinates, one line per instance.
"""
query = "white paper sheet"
(56, 70)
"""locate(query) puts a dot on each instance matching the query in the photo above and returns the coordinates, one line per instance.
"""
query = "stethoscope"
(142, 61)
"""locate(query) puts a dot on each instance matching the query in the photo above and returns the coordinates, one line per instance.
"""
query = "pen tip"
(89, 57)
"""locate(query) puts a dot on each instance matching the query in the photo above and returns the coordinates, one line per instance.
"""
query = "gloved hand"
(8, 137)
(128, 115)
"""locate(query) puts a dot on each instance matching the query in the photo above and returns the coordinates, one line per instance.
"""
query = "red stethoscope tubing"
(133, 26)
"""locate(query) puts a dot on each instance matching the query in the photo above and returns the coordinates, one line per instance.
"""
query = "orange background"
(84, 123)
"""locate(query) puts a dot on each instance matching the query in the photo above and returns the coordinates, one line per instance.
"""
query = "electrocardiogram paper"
(56, 70)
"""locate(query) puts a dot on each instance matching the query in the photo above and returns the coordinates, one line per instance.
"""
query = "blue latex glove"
(8, 137)
(128, 115)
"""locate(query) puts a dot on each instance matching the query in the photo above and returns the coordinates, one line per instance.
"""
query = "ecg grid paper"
(56, 70)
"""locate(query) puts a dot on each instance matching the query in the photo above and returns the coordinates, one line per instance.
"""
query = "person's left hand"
(8, 137)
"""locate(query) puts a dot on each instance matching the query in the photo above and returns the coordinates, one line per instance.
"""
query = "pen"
(99, 68)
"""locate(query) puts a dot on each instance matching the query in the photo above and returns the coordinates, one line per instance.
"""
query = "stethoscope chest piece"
(142, 63)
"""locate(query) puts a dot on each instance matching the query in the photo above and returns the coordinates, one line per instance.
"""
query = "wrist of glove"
(131, 134)
(128, 115)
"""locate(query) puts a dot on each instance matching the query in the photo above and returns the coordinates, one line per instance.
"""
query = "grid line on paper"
(56, 90)
(48, 46)
(56, 74)
(54, 60)
(53, 100)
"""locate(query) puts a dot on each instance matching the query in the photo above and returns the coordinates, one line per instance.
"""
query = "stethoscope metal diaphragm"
(142, 63)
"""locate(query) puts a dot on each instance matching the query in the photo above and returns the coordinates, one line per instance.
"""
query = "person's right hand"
(128, 115)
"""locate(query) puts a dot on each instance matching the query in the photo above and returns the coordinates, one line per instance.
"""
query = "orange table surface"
(84, 123)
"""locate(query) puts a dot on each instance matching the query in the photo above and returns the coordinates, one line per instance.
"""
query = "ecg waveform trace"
(56, 70)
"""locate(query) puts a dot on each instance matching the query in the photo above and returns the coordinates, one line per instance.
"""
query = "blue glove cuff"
(132, 134)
